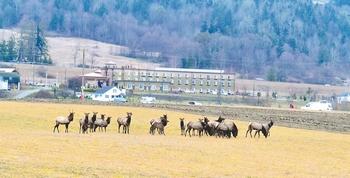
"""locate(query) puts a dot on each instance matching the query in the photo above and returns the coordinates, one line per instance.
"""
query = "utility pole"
(83, 71)
(219, 89)
(33, 72)
(82, 78)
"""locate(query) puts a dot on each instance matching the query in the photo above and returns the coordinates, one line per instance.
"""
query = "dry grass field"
(30, 149)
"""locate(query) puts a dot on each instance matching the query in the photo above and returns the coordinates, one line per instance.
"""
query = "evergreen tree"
(12, 49)
(41, 48)
(3, 51)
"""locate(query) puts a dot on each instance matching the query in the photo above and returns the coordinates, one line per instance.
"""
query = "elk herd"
(220, 127)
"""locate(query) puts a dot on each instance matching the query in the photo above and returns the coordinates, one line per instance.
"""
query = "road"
(24, 93)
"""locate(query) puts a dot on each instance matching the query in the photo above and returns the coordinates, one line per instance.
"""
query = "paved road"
(24, 93)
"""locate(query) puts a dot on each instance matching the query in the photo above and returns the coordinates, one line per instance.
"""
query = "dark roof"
(11, 77)
(8, 74)
(103, 89)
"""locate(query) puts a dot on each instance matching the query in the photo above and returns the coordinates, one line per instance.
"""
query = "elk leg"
(54, 128)
(255, 133)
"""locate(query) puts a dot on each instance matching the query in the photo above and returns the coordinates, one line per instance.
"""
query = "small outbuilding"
(9, 79)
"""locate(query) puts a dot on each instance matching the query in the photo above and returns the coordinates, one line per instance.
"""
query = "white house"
(107, 93)
(344, 97)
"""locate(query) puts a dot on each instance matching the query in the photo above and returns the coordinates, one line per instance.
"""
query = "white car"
(147, 100)
(318, 106)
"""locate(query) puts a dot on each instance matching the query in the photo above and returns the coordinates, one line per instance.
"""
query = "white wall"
(108, 96)
(4, 85)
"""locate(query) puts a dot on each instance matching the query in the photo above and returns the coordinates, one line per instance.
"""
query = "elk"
(101, 123)
(92, 120)
(197, 125)
(125, 122)
(61, 120)
(182, 126)
(84, 123)
(264, 128)
(158, 124)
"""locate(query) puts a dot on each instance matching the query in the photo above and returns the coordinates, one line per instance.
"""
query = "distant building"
(107, 93)
(344, 97)
(9, 79)
(174, 80)
(94, 79)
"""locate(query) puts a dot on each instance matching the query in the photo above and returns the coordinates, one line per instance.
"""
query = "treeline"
(29, 47)
(293, 40)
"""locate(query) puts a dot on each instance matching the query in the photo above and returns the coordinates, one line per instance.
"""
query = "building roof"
(190, 70)
(8, 70)
(96, 74)
(6, 74)
(104, 89)
(11, 77)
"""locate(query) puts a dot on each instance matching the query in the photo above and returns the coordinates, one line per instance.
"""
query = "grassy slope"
(29, 148)
(62, 51)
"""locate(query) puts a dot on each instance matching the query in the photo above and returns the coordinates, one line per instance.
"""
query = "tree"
(41, 48)
(271, 75)
(12, 49)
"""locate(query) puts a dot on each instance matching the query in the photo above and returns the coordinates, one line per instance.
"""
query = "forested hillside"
(295, 40)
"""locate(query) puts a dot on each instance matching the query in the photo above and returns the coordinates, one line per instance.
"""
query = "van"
(318, 106)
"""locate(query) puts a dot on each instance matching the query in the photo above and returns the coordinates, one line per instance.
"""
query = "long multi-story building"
(174, 79)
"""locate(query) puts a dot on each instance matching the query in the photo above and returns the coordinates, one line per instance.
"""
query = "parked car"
(120, 99)
(194, 103)
(147, 100)
(318, 106)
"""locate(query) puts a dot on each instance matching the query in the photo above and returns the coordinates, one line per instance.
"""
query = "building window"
(153, 87)
(172, 81)
(229, 84)
(215, 77)
(194, 76)
(106, 96)
(179, 82)
(208, 77)
(228, 77)
(216, 83)
(208, 83)
(193, 82)
(201, 82)
(186, 76)
(223, 84)
(186, 82)
(171, 75)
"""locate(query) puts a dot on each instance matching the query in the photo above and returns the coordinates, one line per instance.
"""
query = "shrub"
(43, 94)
